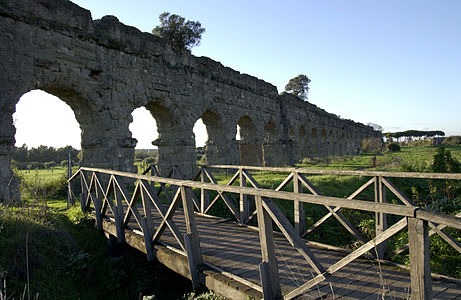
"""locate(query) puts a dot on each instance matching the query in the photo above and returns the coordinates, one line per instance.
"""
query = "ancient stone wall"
(104, 70)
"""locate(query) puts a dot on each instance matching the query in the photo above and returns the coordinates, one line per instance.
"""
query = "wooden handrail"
(388, 208)
(422, 175)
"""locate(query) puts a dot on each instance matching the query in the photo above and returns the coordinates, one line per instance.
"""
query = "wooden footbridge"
(169, 219)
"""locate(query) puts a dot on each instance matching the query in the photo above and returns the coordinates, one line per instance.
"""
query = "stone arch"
(175, 142)
(216, 147)
(93, 144)
(271, 148)
(302, 142)
(270, 132)
(250, 150)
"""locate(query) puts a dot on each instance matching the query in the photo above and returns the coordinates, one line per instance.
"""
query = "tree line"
(43, 156)
(413, 133)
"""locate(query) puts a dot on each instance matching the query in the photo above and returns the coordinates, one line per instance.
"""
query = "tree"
(299, 86)
(181, 34)
(375, 126)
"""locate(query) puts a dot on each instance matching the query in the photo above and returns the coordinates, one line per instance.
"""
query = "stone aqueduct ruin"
(104, 70)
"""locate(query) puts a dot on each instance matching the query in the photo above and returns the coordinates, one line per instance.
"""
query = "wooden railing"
(149, 189)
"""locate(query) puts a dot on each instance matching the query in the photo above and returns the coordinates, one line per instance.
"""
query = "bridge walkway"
(235, 249)
(164, 218)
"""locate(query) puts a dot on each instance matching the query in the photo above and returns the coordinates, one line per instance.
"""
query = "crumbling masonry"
(104, 70)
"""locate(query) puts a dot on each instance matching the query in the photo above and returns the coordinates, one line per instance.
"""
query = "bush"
(151, 160)
(20, 165)
(443, 162)
(49, 164)
(35, 165)
(64, 163)
(393, 147)
(371, 144)
(452, 140)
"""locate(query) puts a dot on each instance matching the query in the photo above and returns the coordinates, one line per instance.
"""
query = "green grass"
(45, 174)
(62, 256)
(411, 158)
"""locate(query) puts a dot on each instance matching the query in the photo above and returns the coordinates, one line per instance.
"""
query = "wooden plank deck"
(235, 249)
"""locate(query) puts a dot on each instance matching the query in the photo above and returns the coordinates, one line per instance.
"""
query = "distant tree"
(393, 147)
(375, 126)
(21, 153)
(181, 34)
(414, 133)
(299, 86)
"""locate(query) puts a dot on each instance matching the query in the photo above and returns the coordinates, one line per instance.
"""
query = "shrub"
(64, 163)
(151, 160)
(371, 144)
(452, 140)
(443, 162)
(393, 147)
(49, 164)
(20, 165)
(35, 165)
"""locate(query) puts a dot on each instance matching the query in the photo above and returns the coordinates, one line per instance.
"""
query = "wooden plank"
(191, 224)
(299, 215)
(97, 209)
(397, 192)
(420, 269)
(434, 217)
(347, 172)
(266, 281)
(266, 237)
(193, 265)
(285, 182)
(448, 238)
(244, 204)
(204, 197)
(380, 218)
(119, 213)
(146, 206)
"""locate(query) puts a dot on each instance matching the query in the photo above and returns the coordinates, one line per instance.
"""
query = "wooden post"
(244, 204)
(192, 241)
(269, 276)
(147, 234)
(380, 218)
(299, 214)
(420, 268)
(204, 197)
(69, 175)
(147, 222)
(119, 216)
(97, 208)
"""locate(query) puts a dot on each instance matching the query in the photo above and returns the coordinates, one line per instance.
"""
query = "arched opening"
(44, 119)
(144, 130)
(46, 132)
(270, 132)
(270, 148)
(201, 137)
(210, 132)
(302, 142)
(249, 148)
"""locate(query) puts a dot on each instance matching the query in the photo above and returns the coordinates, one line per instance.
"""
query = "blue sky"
(393, 63)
